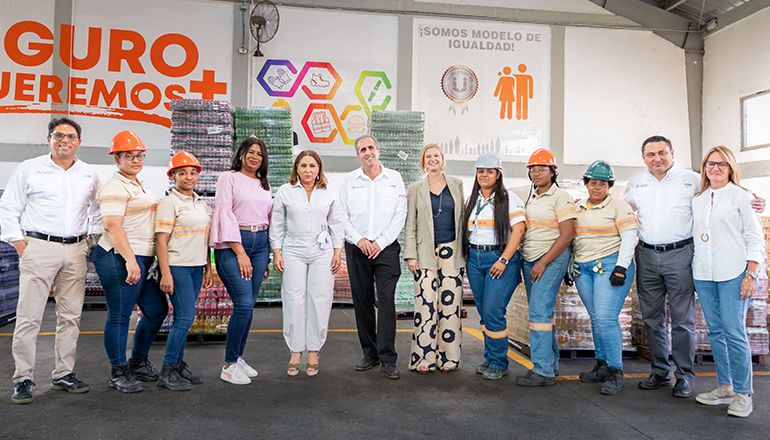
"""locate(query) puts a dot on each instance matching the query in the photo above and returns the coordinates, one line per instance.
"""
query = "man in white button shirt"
(373, 199)
(662, 197)
(46, 210)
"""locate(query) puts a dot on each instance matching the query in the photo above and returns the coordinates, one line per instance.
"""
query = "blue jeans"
(725, 314)
(541, 297)
(187, 285)
(491, 297)
(121, 299)
(603, 302)
(242, 292)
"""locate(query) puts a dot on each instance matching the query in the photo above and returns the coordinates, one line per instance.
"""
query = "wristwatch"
(753, 275)
(503, 260)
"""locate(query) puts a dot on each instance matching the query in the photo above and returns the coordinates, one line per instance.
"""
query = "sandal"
(292, 369)
(312, 369)
(422, 369)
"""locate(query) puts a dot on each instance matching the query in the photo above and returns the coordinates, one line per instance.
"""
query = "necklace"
(440, 203)
(704, 236)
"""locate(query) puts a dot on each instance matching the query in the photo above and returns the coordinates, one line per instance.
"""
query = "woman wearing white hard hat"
(494, 220)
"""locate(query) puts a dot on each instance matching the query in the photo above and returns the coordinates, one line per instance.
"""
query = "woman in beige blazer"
(434, 255)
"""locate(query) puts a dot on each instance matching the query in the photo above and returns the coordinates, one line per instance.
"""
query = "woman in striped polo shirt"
(124, 254)
(182, 240)
(605, 238)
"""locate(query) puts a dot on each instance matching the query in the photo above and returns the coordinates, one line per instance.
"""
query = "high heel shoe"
(312, 369)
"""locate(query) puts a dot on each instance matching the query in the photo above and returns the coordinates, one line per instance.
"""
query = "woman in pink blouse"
(239, 236)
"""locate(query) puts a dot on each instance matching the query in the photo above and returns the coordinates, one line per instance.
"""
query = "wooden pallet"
(702, 357)
(571, 354)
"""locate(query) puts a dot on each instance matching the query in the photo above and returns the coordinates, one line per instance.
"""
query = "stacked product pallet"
(273, 126)
(573, 325)
(400, 135)
(204, 129)
(93, 284)
(9, 282)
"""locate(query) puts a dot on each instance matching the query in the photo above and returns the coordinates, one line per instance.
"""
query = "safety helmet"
(543, 157)
(600, 170)
(489, 160)
(126, 141)
(182, 159)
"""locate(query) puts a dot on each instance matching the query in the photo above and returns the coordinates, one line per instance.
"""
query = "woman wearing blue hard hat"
(494, 220)
(605, 238)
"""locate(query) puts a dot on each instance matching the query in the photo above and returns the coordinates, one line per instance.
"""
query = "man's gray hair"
(366, 136)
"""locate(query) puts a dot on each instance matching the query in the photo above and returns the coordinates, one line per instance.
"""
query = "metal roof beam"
(672, 4)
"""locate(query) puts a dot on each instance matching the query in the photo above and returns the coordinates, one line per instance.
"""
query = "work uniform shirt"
(187, 219)
(123, 197)
(663, 207)
(43, 197)
(374, 209)
(299, 222)
(727, 233)
(598, 229)
(544, 213)
(481, 223)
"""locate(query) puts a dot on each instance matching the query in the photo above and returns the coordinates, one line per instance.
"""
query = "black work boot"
(614, 383)
(143, 370)
(122, 380)
(599, 373)
(171, 380)
(192, 377)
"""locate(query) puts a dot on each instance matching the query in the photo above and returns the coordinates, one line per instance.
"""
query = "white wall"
(621, 87)
(736, 64)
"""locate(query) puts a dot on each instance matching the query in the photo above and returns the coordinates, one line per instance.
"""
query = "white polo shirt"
(374, 209)
(727, 233)
(663, 207)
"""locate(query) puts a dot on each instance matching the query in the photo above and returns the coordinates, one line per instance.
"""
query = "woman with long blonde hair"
(728, 249)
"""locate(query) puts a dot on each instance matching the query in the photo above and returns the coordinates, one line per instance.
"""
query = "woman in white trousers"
(306, 236)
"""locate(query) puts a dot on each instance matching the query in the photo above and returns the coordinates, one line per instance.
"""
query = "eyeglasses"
(721, 165)
(72, 137)
(537, 169)
(131, 156)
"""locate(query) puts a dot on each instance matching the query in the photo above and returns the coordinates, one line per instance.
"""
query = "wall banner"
(483, 86)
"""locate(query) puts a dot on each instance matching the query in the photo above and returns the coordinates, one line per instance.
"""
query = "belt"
(253, 228)
(667, 247)
(62, 240)
(485, 247)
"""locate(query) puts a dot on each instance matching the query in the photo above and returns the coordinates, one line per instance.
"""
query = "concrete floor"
(340, 403)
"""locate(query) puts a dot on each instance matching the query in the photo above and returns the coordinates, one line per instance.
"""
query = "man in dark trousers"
(374, 201)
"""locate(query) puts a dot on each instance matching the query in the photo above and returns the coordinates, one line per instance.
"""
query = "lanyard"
(480, 207)
(705, 235)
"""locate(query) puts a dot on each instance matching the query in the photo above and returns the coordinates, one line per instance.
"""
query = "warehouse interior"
(606, 74)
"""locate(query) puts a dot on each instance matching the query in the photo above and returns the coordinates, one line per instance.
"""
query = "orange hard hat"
(126, 141)
(182, 159)
(542, 156)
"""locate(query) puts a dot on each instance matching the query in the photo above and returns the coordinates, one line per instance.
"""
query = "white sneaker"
(246, 368)
(234, 375)
(717, 396)
(741, 406)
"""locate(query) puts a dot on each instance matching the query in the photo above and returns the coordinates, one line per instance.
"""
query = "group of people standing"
(152, 249)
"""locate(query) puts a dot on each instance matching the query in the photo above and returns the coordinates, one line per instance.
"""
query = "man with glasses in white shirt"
(46, 211)
(373, 199)
(662, 197)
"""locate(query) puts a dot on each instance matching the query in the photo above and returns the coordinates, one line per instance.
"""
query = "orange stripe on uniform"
(502, 334)
(541, 326)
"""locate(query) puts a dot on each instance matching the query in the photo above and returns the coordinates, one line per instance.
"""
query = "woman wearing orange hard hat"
(182, 241)
(122, 258)
(546, 251)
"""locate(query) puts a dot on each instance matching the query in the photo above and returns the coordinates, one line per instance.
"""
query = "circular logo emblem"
(459, 83)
